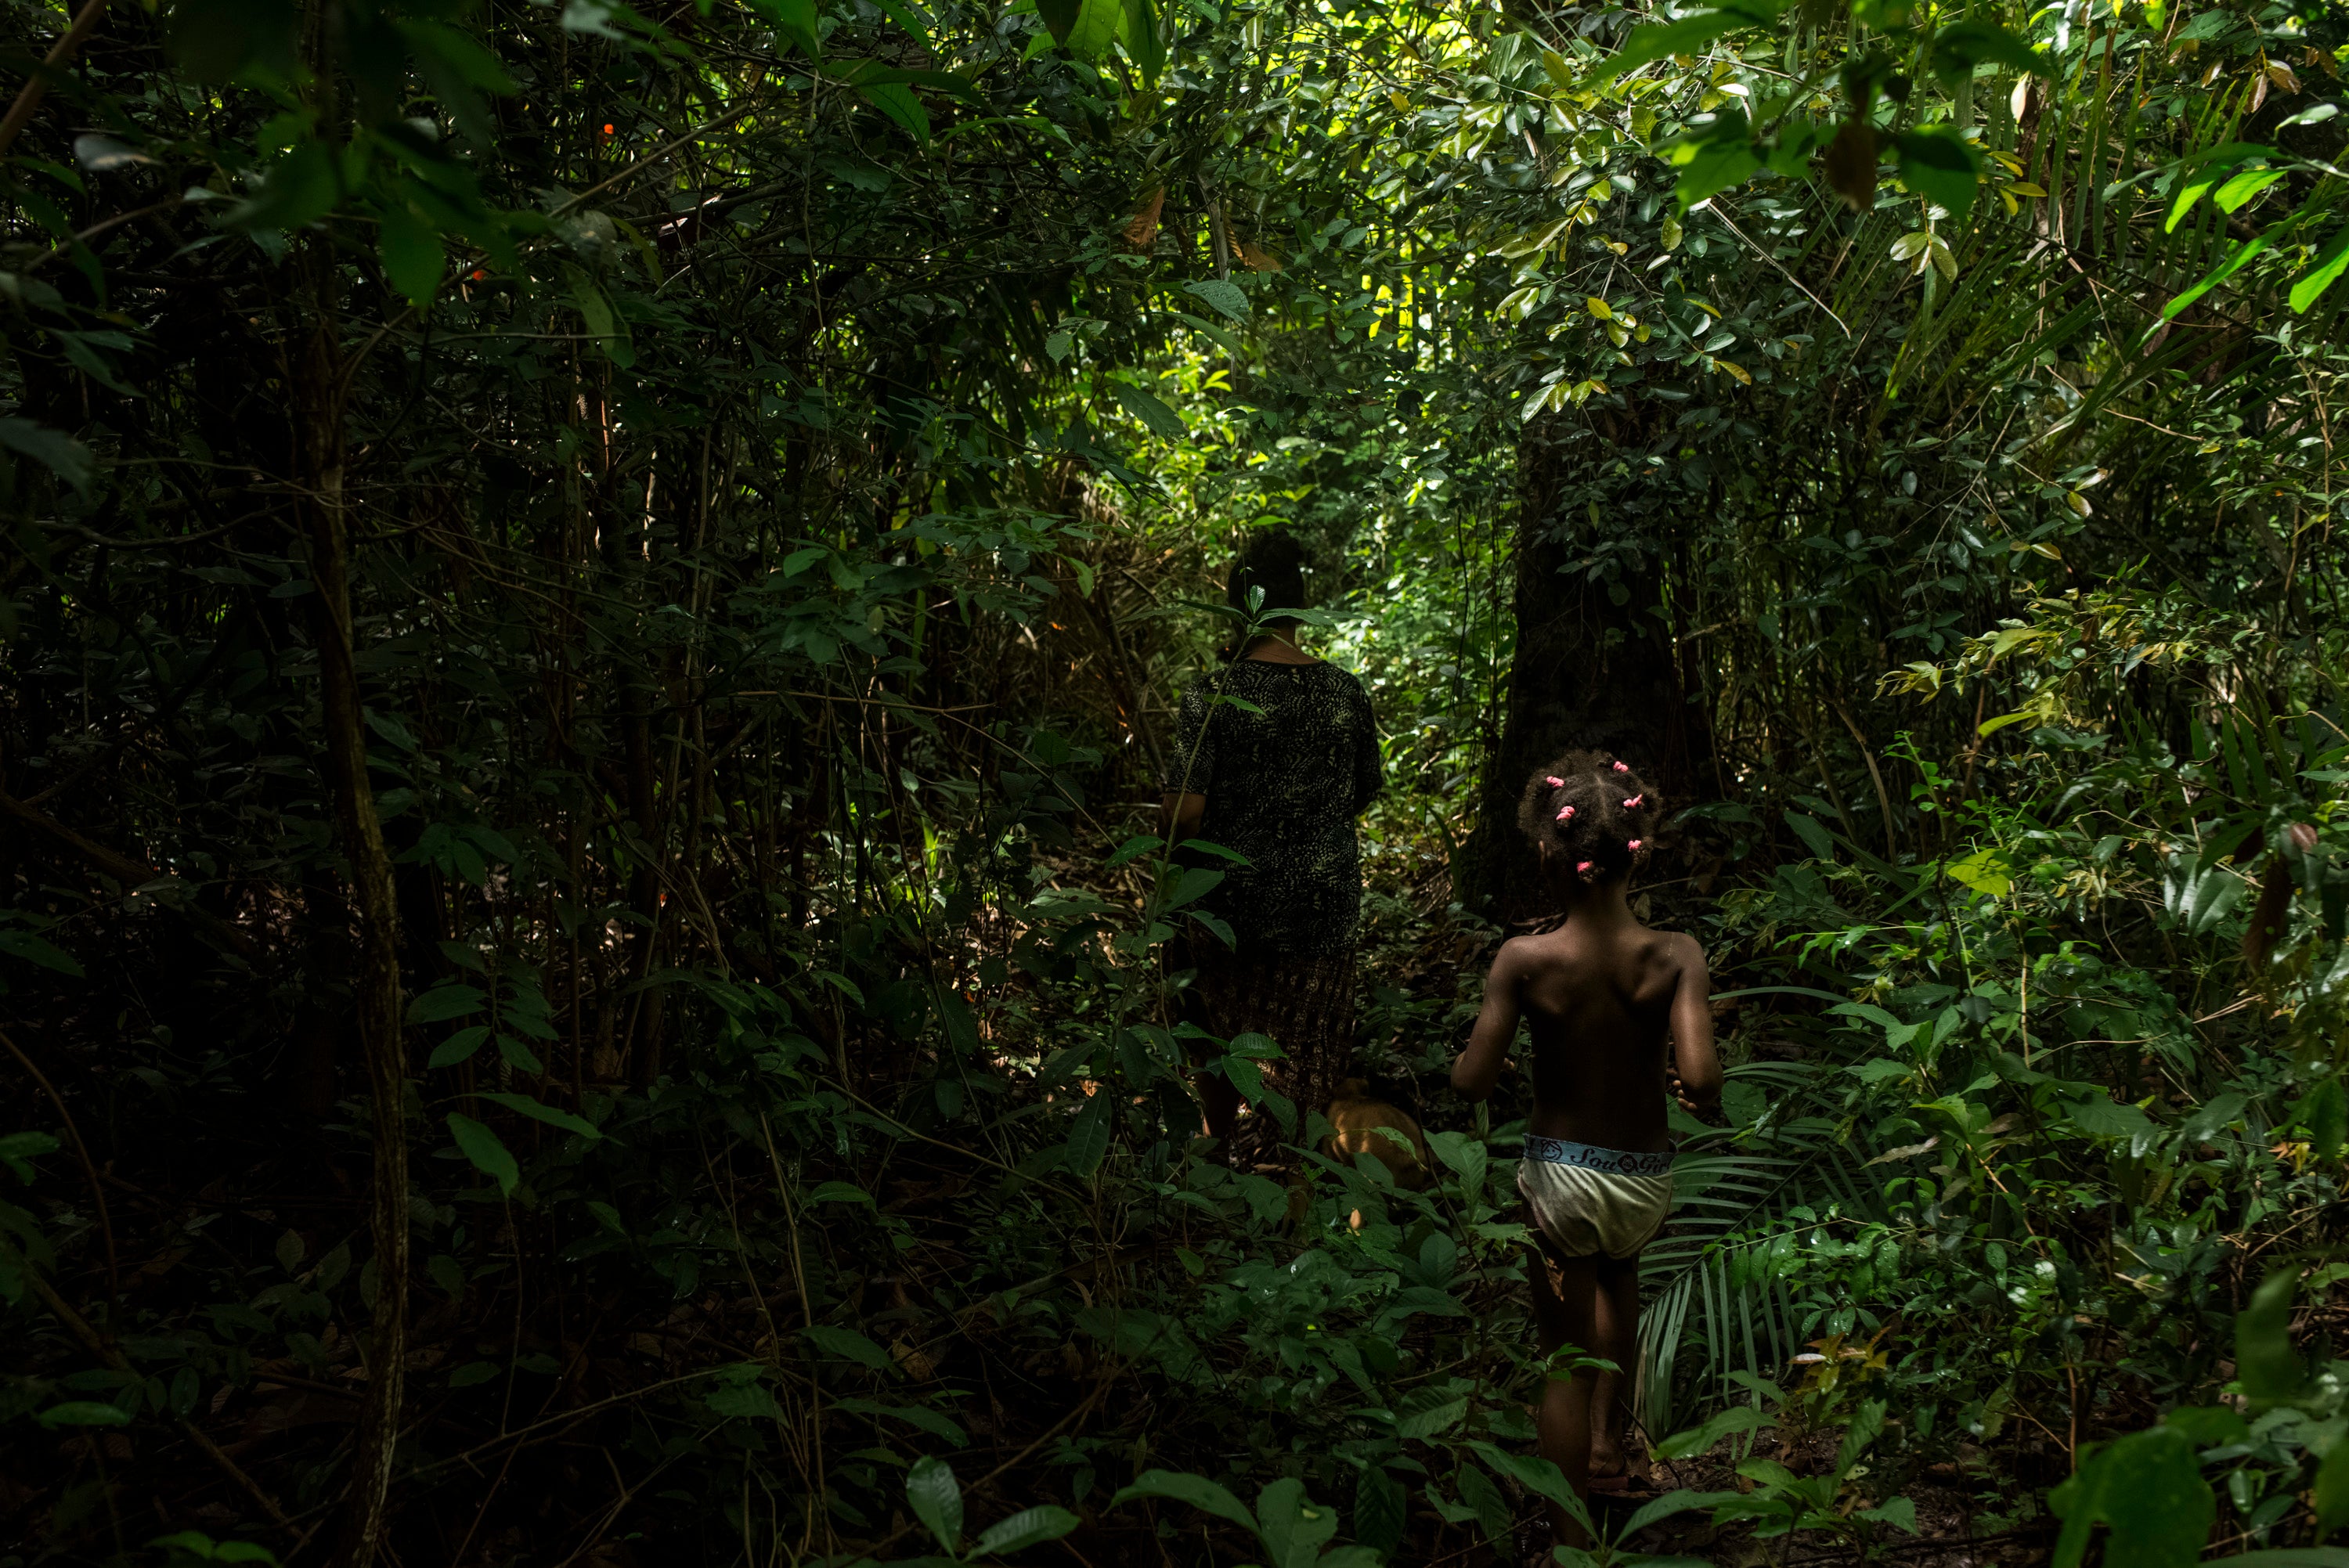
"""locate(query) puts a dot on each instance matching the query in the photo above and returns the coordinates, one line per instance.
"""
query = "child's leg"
(1566, 1301)
(1617, 1339)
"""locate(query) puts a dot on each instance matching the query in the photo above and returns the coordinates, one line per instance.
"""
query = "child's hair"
(1597, 817)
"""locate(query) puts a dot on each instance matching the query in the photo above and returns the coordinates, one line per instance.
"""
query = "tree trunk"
(1601, 577)
(318, 376)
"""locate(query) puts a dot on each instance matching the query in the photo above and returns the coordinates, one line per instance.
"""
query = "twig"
(36, 87)
(89, 1168)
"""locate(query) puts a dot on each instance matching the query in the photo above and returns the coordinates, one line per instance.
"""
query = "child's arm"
(1692, 1054)
(1479, 1067)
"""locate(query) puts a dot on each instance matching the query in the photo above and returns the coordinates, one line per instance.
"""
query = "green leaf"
(795, 20)
(1652, 43)
(413, 257)
(2330, 263)
(1682, 1501)
(1714, 163)
(24, 944)
(1425, 1412)
(1959, 47)
(744, 1401)
(1223, 295)
(1941, 166)
(53, 450)
(1178, 1486)
(298, 190)
(1028, 1527)
(1089, 1138)
(897, 101)
(538, 1111)
(1985, 870)
(458, 1047)
(2242, 257)
(1492, 1512)
(2266, 1364)
(1143, 41)
(2237, 192)
(919, 1416)
(1815, 836)
(1060, 17)
(486, 1151)
(935, 1498)
(2148, 1486)
(840, 1193)
(2331, 1491)
(1097, 25)
(443, 1003)
(1381, 1509)
(1161, 420)
(1734, 1421)
(84, 1413)
(847, 1345)
(1205, 848)
(903, 14)
(1294, 1527)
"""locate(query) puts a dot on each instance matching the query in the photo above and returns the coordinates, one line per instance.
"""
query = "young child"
(1603, 994)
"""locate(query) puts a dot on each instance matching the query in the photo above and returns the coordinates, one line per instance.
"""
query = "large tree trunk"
(1602, 579)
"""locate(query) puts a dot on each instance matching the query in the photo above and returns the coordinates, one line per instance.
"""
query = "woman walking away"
(1276, 755)
(1603, 995)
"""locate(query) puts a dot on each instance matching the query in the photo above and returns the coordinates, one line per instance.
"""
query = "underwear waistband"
(1590, 1157)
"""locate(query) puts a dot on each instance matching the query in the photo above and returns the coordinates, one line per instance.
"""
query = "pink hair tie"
(1555, 782)
(1582, 865)
(1622, 768)
(1564, 812)
(1633, 803)
(1635, 846)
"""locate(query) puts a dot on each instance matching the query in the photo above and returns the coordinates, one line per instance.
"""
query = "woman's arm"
(1693, 1057)
(1479, 1067)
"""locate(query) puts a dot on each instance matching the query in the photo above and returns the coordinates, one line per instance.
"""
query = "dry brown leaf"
(1256, 258)
(1143, 227)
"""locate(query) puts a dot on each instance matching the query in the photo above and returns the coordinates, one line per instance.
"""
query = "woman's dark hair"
(1597, 817)
(1274, 561)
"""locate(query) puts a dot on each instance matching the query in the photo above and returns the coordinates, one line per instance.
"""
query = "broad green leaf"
(298, 190)
(2240, 190)
(1425, 1412)
(486, 1151)
(1985, 870)
(458, 1047)
(1028, 1527)
(847, 1345)
(1226, 297)
(443, 1003)
(935, 1498)
(1160, 419)
(2329, 265)
(2244, 254)
(2148, 1486)
(919, 1416)
(1959, 47)
(1097, 26)
(1144, 41)
(1294, 1527)
(53, 450)
(1060, 17)
(1089, 1138)
(1178, 1486)
(897, 101)
(1815, 836)
(1734, 1421)
(538, 1111)
(24, 944)
(795, 20)
(1652, 43)
(2269, 1368)
(1941, 166)
(1381, 1509)
(84, 1413)
(840, 1193)
(2331, 1491)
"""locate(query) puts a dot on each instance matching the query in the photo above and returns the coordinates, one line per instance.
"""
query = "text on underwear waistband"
(1590, 1157)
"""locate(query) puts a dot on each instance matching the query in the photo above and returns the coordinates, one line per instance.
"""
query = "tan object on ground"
(1355, 1119)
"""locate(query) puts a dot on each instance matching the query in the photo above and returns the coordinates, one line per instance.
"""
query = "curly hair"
(1274, 561)
(1597, 815)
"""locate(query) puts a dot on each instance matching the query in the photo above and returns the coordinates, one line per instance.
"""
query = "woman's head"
(1595, 817)
(1274, 561)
